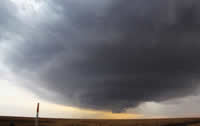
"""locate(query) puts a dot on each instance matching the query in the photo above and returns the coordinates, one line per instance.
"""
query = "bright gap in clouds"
(27, 7)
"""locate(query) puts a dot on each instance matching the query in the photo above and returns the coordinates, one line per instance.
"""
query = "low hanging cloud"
(109, 55)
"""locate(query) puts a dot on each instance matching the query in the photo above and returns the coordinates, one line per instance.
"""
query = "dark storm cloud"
(114, 55)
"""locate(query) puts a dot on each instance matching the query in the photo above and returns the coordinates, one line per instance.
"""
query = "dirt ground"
(5, 121)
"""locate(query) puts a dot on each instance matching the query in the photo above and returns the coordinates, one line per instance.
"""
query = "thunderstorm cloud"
(105, 55)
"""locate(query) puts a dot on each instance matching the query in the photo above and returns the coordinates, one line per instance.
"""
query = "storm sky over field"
(110, 55)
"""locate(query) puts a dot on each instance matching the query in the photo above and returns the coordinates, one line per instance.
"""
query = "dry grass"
(5, 121)
(198, 124)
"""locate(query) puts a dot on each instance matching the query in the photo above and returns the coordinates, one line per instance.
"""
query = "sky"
(100, 59)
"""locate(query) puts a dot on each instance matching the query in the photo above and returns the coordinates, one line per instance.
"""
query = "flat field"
(23, 121)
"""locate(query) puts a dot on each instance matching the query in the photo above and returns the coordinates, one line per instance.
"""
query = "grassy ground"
(5, 121)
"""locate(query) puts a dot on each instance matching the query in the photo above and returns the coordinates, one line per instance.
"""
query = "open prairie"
(22, 121)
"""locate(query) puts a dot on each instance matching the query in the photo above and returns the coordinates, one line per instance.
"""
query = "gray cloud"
(6, 12)
(113, 56)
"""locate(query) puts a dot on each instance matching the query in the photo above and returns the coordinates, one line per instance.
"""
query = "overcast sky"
(100, 59)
